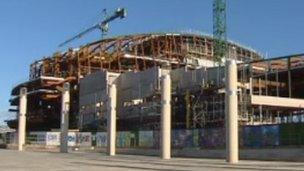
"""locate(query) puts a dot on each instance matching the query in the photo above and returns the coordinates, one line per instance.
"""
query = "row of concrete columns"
(231, 116)
(64, 124)
(111, 120)
(165, 118)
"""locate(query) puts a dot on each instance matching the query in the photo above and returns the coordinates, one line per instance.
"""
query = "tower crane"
(220, 45)
(219, 30)
(103, 25)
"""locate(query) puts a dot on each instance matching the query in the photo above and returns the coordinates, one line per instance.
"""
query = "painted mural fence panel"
(212, 138)
(156, 139)
(125, 139)
(292, 134)
(53, 138)
(270, 135)
(101, 139)
(252, 136)
(11, 138)
(72, 139)
(261, 136)
(38, 138)
(182, 138)
(146, 139)
(84, 139)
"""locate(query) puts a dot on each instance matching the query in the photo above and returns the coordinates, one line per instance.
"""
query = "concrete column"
(166, 117)
(22, 118)
(65, 109)
(231, 101)
(111, 120)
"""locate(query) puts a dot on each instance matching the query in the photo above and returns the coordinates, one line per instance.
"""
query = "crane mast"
(219, 30)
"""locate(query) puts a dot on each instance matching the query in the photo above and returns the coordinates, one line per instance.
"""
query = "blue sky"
(31, 29)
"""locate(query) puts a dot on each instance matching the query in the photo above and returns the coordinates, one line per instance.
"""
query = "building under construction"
(135, 64)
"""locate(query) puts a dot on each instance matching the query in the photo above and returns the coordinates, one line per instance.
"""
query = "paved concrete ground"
(28, 160)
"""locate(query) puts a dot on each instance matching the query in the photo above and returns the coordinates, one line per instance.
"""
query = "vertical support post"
(266, 83)
(166, 117)
(289, 77)
(290, 117)
(188, 109)
(260, 106)
(232, 153)
(261, 113)
(111, 120)
(250, 79)
(252, 116)
(22, 118)
(266, 77)
(277, 82)
(278, 117)
(250, 86)
(64, 126)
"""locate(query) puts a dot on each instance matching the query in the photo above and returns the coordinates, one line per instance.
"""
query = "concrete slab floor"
(31, 161)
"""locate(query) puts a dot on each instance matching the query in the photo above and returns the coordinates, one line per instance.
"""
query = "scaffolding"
(120, 54)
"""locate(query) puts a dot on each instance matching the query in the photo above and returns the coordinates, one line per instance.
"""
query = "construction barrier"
(262, 136)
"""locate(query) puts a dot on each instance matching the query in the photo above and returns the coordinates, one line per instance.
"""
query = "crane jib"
(119, 13)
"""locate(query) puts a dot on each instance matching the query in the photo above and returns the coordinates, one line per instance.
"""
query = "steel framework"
(119, 54)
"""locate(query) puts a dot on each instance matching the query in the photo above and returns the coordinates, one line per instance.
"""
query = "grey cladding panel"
(136, 85)
(94, 82)
(93, 88)
(185, 79)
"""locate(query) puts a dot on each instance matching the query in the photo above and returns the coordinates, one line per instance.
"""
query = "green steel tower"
(219, 30)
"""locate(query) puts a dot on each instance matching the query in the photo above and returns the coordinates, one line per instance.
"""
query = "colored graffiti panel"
(36, 138)
(72, 139)
(125, 139)
(195, 138)
(292, 134)
(270, 135)
(84, 139)
(241, 136)
(182, 138)
(156, 139)
(101, 139)
(212, 138)
(261, 136)
(249, 137)
(252, 136)
(146, 139)
(53, 138)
